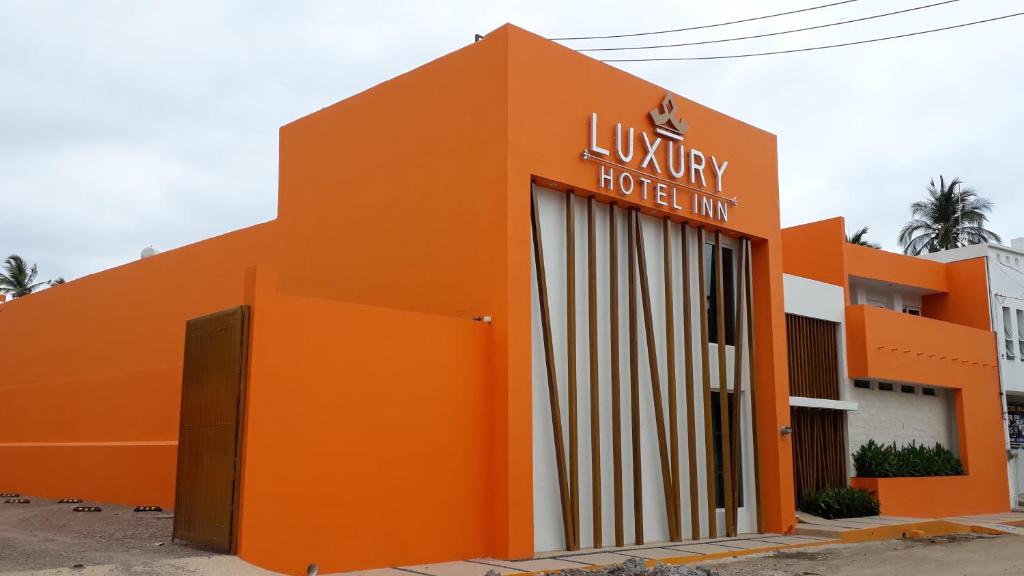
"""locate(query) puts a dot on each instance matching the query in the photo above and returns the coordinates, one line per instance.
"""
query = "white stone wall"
(886, 417)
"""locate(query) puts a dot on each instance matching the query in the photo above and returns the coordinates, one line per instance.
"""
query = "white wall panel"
(548, 534)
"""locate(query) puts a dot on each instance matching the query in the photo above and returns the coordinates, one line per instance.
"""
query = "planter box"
(931, 496)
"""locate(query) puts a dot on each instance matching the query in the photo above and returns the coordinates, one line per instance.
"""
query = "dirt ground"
(48, 539)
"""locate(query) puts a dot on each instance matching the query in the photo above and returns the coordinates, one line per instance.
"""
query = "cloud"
(126, 124)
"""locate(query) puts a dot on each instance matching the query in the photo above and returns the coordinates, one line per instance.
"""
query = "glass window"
(1008, 333)
(1020, 334)
(716, 427)
(710, 287)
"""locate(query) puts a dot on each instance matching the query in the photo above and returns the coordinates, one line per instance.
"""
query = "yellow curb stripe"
(915, 530)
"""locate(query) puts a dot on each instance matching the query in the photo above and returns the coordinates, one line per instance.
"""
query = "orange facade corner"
(815, 251)
(367, 435)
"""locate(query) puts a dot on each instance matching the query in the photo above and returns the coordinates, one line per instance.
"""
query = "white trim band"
(803, 402)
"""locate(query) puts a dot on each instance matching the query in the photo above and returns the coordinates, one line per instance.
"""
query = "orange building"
(486, 322)
(920, 365)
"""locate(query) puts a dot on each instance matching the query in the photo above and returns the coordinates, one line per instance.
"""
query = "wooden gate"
(819, 450)
(212, 396)
(819, 446)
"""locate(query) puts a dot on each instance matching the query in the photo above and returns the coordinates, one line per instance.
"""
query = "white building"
(1005, 266)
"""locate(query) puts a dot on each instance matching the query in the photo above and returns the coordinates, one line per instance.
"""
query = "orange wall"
(891, 345)
(934, 497)
(397, 197)
(92, 371)
(886, 266)
(967, 300)
(367, 440)
(815, 251)
(888, 345)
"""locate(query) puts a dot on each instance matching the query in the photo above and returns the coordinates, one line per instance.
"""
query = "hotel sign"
(657, 165)
(1015, 424)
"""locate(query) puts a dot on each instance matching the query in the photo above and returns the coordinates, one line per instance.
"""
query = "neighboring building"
(891, 348)
(1005, 280)
(513, 300)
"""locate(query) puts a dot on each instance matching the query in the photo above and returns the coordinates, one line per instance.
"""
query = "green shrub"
(846, 502)
(875, 460)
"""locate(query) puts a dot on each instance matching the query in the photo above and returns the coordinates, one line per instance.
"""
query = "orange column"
(775, 450)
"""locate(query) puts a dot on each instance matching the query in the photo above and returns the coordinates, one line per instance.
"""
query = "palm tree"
(952, 216)
(859, 238)
(18, 279)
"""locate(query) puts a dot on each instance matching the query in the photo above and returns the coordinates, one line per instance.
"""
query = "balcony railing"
(886, 345)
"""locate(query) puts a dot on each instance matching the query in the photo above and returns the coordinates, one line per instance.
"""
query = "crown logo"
(665, 120)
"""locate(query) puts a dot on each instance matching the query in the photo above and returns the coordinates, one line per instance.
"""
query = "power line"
(736, 38)
(705, 25)
(812, 48)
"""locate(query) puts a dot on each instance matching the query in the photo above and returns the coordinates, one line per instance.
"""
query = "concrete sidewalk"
(666, 552)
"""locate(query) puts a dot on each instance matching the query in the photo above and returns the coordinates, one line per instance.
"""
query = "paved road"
(946, 556)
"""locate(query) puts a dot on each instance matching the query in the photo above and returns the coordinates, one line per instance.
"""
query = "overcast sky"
(134, 123)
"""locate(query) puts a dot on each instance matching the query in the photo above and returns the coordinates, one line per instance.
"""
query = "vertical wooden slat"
(655, 373)
(613, 305)
(723, 389)
(705, 363)
(549, 363)
(595, 384)
(813, 356)
(570, 347)
(670, 351)
(634, 387)
(748, 293)
(738, 377)
(691, 424)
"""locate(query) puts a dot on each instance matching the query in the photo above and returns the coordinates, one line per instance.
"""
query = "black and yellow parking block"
(86, 509)
(17, 501)
(148, 509)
